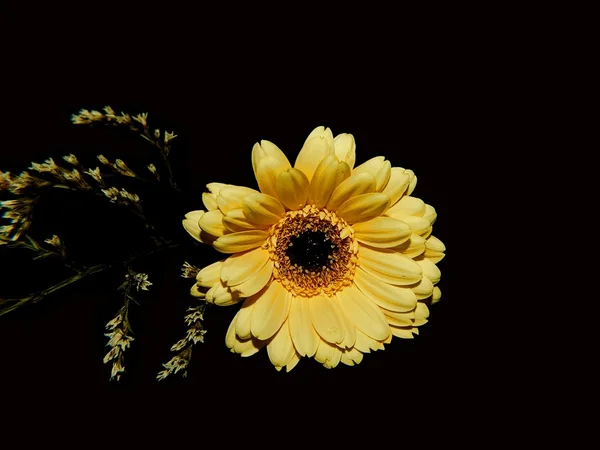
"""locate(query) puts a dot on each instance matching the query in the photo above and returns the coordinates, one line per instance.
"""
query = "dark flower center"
(310, 250)
(313, 251)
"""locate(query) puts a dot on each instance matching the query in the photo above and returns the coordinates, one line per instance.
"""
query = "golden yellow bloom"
(330, 260)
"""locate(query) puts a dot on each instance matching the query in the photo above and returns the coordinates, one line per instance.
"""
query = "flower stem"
(169, 171)
(68, 281)
(36, 297)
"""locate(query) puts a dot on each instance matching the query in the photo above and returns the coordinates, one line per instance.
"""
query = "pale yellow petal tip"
(196, 292)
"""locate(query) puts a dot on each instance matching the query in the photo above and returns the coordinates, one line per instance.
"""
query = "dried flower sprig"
(138, 123)
(189, 271)
(183, 347)
(118, 166)
(195, 333)
(119, 328)
(16, 214)
(26, 187)
(19, 212)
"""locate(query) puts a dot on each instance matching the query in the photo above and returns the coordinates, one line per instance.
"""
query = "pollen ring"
(314, 252)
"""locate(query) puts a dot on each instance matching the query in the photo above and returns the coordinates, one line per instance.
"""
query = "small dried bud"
(71, 159)
(54, 241)
(124, 119)
(112, 193)
(5, 180)
(95, 174)
(134, 198)
(189, 271)
(141, 118)
(152, 168)
(48, 166)
(169, 137)
(156, 134)
(123, 169)
(5, 230)
(141, 281)
(109, 111)
(103, 160)
(112, 354)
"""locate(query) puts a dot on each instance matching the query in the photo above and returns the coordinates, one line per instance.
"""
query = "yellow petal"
(292, 188)
(231, 197)
(389, 266)
(197, 292)
(351, 357)
(324, 352)
(215, 188)
(270, 311)
(363, 207)
(413, 247)
(345, 148)
(266, 149)
(209, 275)
(385, 295)
(423, 289)
(323, 133)
(210, 201)
(244, 347)
(266, 172)
(402, 332)
(437, 294)
(240, 241)
(240, 267)
(212, 223)
(235, 220)
(280, 349)
(421, 314)
(333, 358)
(407, 206)
(242, 323)
(397, 184)
(413, 182)
(327, 318)
(418, 225)
(328, 175)
(365, 343)
(363, 313)
(399, 319)
(317, 146)
(263, 209)
(350, 337)
(380, 168)
(434, 243)
(256, 282)
(434, 249)
(248, 347)
(190, 223)
(230, 337)
(221, 295)
(426, 233)
(382, 232)
(430, 270)
(430, 214)
(292, 362)
(303, 334)
(356, 184)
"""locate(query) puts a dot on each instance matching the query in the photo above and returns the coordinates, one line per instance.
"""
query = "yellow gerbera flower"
(330, 260)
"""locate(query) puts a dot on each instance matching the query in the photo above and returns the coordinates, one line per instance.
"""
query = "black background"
(426, 104)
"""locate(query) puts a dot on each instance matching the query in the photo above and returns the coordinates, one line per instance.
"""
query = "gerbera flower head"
(329, 260)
